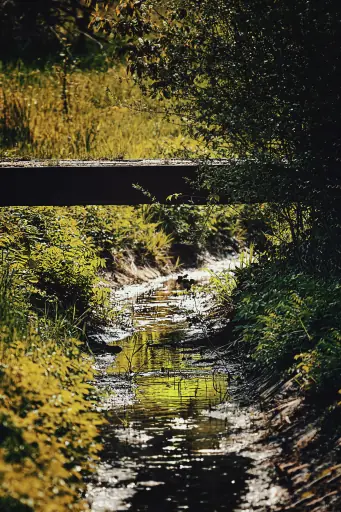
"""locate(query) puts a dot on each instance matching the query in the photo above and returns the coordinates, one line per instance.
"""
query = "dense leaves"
(45, 28)
(290, 320)
(51, 287)
(55, 263)
(258, 82)
(48, 432)
(48, 427)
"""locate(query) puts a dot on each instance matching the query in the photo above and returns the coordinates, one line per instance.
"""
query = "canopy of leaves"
(31, 30)
(258, 80)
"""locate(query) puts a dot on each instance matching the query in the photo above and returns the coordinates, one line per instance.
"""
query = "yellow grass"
(85, 114)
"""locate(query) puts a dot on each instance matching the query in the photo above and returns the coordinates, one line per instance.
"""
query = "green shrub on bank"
(52, 260)
(48, 433)
(289, 320)
(211, 227)
(117, 230)
(57, 253)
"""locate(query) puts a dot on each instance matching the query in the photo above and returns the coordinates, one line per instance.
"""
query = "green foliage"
(212, 227)
(49, 289)
(117, 230)
(222, 284)
(237, 71)
(249, 80)
(52, 259)
(54, 255)
(290, 321)
(48, 428)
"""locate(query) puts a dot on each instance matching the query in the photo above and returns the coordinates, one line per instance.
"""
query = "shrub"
(48, 433)
(212, 227)
(48, 425)
(290, 321)
(115, 230)
(52, 258)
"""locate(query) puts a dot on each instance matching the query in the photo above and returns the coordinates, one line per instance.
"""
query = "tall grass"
(81, 114)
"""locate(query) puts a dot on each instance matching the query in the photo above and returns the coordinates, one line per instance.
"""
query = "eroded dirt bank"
(307, 436)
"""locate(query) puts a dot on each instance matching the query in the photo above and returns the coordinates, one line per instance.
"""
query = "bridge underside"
(96, 182)
(132, 182)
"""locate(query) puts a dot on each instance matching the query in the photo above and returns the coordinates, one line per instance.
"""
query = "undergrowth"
(289, 321)
(54, 263)
(48, 432)
(286, 321)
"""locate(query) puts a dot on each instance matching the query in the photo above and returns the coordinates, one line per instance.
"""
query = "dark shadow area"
(175, 473)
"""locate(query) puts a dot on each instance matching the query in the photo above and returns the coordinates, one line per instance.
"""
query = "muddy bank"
(176, 437)
(306, 433)
(128, 270)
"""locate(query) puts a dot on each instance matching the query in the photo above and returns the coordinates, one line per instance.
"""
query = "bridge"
(75, 182)
(81, 182)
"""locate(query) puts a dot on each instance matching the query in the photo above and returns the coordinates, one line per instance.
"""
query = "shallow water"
(163, 450)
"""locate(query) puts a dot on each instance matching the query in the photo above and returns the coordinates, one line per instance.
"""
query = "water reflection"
(161, 453)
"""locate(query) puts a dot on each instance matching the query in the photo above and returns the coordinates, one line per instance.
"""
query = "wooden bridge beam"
(95, 182)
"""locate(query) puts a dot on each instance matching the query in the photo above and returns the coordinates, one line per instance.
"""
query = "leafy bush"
(212, 227)
(115, 230)
(48, 428)
(290, 320)
(52, 259)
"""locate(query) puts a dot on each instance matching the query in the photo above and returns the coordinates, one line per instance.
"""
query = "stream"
(174, 440)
